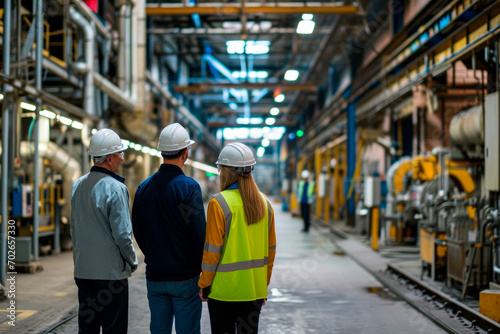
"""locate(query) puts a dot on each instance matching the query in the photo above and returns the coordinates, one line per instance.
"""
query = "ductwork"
(62, 162)
(88, 93)
(467, 127)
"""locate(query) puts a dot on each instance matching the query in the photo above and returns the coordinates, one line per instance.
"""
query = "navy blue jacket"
(168, 220)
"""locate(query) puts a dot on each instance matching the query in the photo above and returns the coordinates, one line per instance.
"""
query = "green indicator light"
(300, 133)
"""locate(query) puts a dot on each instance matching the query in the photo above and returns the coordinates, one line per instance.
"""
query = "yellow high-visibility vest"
(310, 191)
(241, 274)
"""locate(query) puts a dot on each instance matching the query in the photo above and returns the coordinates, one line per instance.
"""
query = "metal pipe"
(85, 10)
(5, 134)
(133, 66)
(113, 91)
(88, 95)
(38, 4)
(139, 55)
(60, 72)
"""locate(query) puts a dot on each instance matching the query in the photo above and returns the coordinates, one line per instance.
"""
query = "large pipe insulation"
(467, 127)
(62, 162)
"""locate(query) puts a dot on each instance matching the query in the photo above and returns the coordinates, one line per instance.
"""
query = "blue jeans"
(179, 299)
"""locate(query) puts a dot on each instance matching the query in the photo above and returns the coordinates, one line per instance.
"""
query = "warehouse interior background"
(392, 105)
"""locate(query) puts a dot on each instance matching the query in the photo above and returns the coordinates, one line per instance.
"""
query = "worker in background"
(240, 246)
(103, 253)
(168, 220)
(305, 195)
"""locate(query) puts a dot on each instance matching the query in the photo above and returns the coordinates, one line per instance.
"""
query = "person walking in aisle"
(305, 195)
(103, 253)
(240, 246)
(168, 220)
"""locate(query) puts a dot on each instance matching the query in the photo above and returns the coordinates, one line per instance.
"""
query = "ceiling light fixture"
(291, 75)
(274, 111)
(279, 98)
(261, 151)
(77, 125)
(48, 114)
(65, 120)
(265, 142)
(306, 26)
(270, 121)
(28, 106)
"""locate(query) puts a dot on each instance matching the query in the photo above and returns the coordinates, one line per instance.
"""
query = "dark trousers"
(102, 303)
(234, 317)
(304, 211)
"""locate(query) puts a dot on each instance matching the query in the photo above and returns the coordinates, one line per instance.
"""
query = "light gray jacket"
(100, 227)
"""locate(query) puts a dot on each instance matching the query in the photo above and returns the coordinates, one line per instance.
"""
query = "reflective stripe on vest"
(241, 274)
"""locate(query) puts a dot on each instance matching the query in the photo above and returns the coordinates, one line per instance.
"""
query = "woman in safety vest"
(240, 246)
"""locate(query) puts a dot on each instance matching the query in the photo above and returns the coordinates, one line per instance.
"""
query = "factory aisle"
(312, 291)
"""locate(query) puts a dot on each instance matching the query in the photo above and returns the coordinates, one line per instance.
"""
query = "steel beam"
(252, 9)
(271, 86)
(183, 32)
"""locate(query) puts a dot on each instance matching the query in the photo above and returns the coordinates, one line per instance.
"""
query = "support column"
(5, 138)
(38, 84)
(351, 158)
(328, 188)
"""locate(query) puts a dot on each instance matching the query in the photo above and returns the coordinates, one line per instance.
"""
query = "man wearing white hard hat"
(305, 196)
(103, 253)
(169, 225)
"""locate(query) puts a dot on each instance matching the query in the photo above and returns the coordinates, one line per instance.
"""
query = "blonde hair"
(253, 203)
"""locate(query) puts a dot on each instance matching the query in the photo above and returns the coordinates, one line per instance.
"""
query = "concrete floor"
(312, 291)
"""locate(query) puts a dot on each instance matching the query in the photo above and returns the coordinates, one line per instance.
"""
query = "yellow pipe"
(375, 212)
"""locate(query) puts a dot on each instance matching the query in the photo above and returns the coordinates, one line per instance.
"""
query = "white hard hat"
(305, 174)
(236, 155)
(105, 142)
(174, 138)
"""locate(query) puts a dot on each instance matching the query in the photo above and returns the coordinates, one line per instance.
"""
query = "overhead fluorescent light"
(125, 143)
(274, 111)
(291, 75)
(249, 120)
(305, 27)
(146, 149)
(153, 152)
(261, 151)
(279, 98)
(233, 106)
(251, 26)
(48, 114)
(28, 106)
(251, 74)
(307, 17)
(137, 147)
(270, 121)
(265, 142)
(77, 125)
(94, 131)
(131, 145)
(65, 120)
(258, 47)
